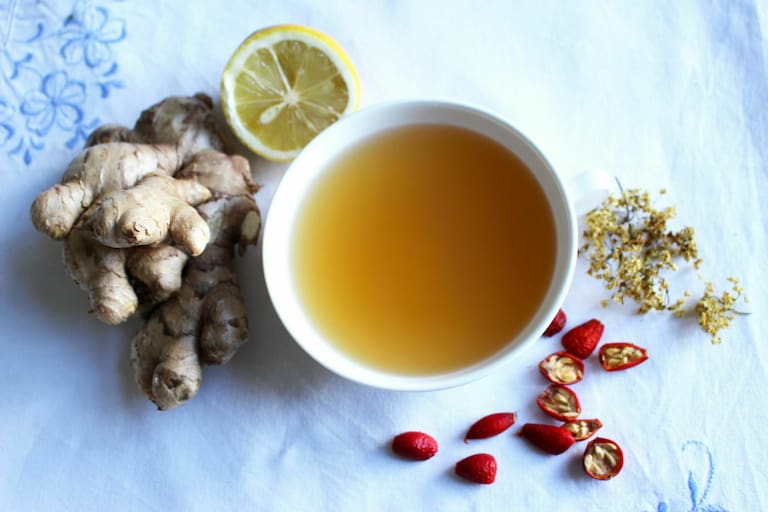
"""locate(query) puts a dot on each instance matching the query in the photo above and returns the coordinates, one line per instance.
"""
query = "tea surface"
(423, 249)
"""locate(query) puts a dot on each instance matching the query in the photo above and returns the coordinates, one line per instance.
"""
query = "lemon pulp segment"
(283, 86)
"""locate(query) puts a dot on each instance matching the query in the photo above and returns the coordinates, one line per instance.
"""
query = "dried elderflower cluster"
(716, 313)
(630, 247)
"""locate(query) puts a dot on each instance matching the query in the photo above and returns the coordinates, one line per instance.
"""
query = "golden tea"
(423, 249)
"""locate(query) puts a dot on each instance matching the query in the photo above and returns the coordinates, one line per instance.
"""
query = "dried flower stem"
(630, 249)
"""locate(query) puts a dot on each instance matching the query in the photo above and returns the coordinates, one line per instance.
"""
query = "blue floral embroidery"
(82, 132)
(698, 498)
(89, 37)
(6, 129)
(55, 66)
(58, 101)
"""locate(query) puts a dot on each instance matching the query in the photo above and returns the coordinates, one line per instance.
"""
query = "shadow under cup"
(310, 166)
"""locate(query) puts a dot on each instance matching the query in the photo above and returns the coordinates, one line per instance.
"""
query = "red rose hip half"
(583, 429)
(620, 356)
(559, 402)
(603, 459)
(562, 368)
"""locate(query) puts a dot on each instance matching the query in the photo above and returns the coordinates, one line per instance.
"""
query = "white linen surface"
(659, 94)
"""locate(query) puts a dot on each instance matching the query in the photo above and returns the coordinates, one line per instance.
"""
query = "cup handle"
(588, 189)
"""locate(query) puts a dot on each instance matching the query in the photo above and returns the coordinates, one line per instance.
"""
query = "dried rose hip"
(479, 468)
(582, 339)
(603, 459)
(549, 438)
(562, 368)
(415, 445)
(491, 425)
(620, 356)
(583, 429)
(559, 402)
(557, 324)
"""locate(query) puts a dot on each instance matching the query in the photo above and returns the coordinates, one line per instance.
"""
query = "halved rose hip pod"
(583, 429)
(603, 459)
(562, 368)
(559, 402)
(620, 356)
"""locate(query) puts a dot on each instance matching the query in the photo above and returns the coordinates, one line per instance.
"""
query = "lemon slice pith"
(283, 86)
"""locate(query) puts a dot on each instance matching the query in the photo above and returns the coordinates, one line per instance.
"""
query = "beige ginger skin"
(91, 175)
(159, 209)
(150, 218)
(205, 322)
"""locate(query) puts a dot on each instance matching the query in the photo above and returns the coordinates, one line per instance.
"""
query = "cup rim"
(322, 350)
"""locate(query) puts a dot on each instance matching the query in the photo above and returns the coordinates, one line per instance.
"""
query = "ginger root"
(100, 271)
(183, 121)
(158, 209)
(56, 210)
(150, 218)
(155, 271)
(116, 158)
(208, 308)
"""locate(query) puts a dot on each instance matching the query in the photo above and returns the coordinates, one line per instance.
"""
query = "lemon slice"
(283, 86)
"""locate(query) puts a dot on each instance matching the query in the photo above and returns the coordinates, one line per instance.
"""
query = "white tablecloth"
(660, 94)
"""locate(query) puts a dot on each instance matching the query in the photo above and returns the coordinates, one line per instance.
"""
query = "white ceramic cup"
(309, 167)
